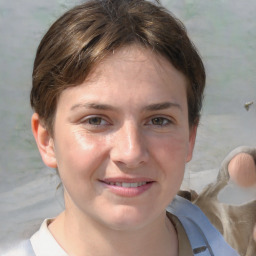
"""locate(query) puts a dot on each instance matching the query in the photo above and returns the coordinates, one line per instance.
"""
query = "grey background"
(224, 33)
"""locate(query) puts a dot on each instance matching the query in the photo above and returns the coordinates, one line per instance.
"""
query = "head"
(117, 91)
(79, 40)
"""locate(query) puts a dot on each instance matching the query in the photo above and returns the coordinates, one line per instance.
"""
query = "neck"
(82, 236)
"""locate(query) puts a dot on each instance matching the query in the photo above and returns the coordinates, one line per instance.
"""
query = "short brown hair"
(84, 35)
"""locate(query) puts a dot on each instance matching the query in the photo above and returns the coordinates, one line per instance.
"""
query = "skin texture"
(128, 122)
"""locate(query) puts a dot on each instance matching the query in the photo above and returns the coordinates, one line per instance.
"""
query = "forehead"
(137, 61)
(133, 74)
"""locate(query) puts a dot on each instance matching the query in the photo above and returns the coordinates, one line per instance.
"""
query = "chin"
(125, 217)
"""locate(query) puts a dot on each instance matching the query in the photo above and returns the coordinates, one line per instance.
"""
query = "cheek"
(80, 162)
(79, 156)
(171, 149)
(170, 155)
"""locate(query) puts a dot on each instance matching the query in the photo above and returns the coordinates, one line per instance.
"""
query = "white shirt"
(44, 244)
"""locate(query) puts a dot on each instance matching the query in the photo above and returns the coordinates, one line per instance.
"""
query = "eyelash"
(163, 121)
(89, 120)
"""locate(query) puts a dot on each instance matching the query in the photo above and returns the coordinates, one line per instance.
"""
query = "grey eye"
(95, 120)
(159, 121)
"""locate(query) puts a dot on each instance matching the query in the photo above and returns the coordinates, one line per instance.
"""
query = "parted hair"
(84, 35)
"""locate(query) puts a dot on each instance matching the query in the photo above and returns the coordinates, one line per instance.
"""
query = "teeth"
(128, 185)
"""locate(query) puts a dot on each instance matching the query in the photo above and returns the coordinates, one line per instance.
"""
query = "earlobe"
(44, 141)
(192, 139)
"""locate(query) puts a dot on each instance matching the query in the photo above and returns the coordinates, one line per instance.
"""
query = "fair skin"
(121, 141)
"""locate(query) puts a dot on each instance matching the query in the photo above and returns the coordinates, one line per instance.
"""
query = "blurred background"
(222, 30)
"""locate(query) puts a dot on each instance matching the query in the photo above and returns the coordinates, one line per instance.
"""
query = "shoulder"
(201, 233)
(23, 248)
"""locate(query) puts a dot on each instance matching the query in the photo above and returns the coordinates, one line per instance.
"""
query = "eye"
(160, 121)
(95, 121)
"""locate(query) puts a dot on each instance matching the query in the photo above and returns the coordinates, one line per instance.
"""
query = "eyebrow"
(93, 106)
(162, 106)
(151, 107)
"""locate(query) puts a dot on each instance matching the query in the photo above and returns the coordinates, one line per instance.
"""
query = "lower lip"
(129, 192)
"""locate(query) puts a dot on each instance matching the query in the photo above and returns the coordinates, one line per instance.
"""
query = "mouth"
(127, 184)
(128, 188)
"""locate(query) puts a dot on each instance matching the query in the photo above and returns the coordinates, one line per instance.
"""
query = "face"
(122, 139)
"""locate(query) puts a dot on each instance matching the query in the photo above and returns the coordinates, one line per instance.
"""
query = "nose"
(129, 147)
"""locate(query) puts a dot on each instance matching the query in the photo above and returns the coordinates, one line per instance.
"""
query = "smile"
(128, 189)
(127, 185)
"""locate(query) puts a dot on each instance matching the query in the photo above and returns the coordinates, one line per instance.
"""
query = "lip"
(110, 183)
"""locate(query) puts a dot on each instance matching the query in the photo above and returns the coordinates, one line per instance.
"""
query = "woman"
(117, 93)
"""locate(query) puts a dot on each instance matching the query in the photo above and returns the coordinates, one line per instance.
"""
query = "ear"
(191, 143)
(44, 141)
